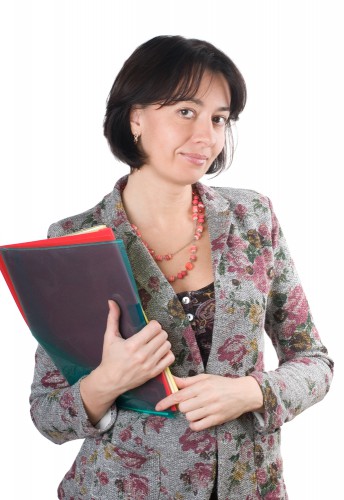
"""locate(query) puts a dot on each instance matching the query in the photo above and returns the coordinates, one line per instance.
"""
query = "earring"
(136, 138)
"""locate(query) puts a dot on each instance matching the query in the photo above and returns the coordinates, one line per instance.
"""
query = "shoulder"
(88, 218)
(242, 203)
(241, 196)
(106, 212)
(249, 210)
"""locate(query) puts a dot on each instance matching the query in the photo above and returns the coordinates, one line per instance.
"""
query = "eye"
(221, 120)
(186, 113)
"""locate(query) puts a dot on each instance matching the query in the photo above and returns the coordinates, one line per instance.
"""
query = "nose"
(204, 132)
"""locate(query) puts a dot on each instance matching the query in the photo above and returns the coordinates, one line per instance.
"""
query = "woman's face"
(182, 140)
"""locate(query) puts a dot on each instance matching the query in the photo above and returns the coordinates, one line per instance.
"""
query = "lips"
(195, 158)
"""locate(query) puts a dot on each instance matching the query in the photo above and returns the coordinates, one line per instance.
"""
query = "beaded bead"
(189, 266)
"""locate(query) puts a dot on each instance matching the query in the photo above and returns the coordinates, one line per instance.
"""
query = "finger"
(165, 403)
(204, 423)
(164, 362)
(188, 381)
(197, 414)
(180, 382)
(176, 398)
(146, 334)
(112, 324)
(159, 341)
(160, 351)
(155, 361)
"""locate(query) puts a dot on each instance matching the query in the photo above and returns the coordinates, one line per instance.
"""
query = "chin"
(187, 180)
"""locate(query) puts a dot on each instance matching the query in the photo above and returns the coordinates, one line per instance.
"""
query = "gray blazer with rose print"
(148, 457)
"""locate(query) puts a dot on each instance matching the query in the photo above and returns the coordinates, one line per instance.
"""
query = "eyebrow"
(201, 103)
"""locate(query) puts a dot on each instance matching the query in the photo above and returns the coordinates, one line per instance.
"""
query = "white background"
(58, 61)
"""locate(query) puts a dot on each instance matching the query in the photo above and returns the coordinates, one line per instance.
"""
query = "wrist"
(254, 395)
(96, 398)
(98, 386)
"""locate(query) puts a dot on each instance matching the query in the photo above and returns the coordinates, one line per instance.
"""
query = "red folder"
(61, 287)
(103, 234)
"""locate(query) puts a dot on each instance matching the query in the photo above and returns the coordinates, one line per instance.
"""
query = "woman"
(213, 271)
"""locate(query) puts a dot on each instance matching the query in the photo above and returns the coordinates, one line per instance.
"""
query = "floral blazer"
(145, 457)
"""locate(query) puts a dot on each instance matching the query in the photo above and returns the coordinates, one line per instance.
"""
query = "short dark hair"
(165, 70)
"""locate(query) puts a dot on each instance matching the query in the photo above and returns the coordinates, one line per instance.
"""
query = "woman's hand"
(129, 363)
(209, 400)
(126, 363)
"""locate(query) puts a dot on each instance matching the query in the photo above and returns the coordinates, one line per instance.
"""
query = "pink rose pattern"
(134, 487)
(54, 379)
(197, 478)
(130, 459)
(233, 351)
(200, 443)
(143, 457)
(240, 211)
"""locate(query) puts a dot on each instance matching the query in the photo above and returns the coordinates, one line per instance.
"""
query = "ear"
(135, 120)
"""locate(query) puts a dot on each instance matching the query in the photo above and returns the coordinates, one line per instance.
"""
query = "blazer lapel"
(219, 219)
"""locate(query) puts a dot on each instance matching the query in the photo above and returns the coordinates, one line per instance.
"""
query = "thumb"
(112, 324)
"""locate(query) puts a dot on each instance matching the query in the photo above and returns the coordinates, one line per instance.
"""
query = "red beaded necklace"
(198, 216)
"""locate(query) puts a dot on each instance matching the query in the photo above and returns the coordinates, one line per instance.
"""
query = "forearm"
(57, 409)
(292, 388)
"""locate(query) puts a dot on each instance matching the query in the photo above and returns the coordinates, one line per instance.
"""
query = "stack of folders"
(62, 286)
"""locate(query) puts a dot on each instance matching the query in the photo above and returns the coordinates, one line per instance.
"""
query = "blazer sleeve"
(56, 407)
(305, 370)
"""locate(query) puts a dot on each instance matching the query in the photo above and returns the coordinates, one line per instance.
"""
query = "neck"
(148, 199)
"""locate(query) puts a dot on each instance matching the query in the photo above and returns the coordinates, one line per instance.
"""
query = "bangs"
(187, 85)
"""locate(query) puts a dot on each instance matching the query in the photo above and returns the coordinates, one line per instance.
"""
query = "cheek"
(150, 141)
(220, 143)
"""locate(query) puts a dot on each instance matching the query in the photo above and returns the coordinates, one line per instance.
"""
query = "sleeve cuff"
(260, 418)
(104, 421)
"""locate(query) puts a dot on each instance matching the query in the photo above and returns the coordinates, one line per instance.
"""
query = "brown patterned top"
(199, 306)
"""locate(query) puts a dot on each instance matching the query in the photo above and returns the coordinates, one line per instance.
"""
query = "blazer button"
(190, 317)
(186, 300)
